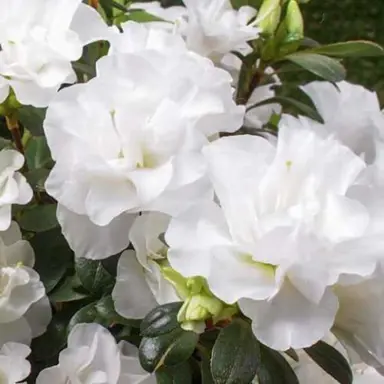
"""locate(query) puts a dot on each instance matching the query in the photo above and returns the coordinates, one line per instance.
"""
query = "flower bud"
(294, 21)
(268, 17)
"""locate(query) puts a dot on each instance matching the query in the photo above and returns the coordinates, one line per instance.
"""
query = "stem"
(94, 3)
(13, 126)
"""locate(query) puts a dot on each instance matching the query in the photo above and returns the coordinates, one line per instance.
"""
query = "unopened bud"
(268, 17)
(294, 21)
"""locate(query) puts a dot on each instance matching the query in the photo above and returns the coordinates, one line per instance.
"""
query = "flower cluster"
(166, 157)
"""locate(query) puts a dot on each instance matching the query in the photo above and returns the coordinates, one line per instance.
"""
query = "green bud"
(194, 326)
(12, 102)
(3, 110)
(269, 15)
(294, 21)
(178, 281)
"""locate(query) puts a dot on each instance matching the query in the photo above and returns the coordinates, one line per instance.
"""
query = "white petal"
(52, 375)
(90, 240)
(289, 320)
(39, 315)
(132, 297)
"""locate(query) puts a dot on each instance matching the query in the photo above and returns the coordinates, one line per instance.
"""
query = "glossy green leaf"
(274, 368)
(170, 349)
(320, 65)
(70, 289)
(93, 276)
(235, 355)
(332, 361)
(88, 314)
(39, 218)
(358, 48)
(32, 118)
(37, 178)
(175, 375)
(160, 320)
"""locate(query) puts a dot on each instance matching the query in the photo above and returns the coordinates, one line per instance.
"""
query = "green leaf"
(32, 118)
(206, 374)
(37, 153)
(235, 355)
(290, 102)
(93, 276)
(169, 349)
(332, 361)
(37, 178)
(88, 314)
(160, 320)
(322, 66)
(53, 257)
(358, 48)
(175, 375)
(274, 369)
(39, 218)
(70, 289)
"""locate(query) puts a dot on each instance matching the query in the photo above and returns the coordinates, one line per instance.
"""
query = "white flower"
(291, 224)
(140, 286)
(140, 126)
(39, 39)
(211, 28)
(14, 366)
(13, 185)
(350, 112)
(359, 322)
(24, 309)
(92, 357)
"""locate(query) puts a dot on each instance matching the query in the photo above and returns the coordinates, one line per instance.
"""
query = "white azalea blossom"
(14, 186)
(139, 272)
(24, 309)
(39, 39)
(211, 28)
(92, 357)
(291, 225)
(14, 366)
(136, 145)
(351, 113)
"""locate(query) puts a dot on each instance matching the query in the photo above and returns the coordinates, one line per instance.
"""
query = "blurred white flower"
(14, 365)
(136, 145)
(91, 357)
(39, 39)
(14, 186)
(290, 226)
(24, 309)
(211, 28)
(139, 273)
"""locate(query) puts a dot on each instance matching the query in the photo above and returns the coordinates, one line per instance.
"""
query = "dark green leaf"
(359, 48)
(36, 178)
(274, 369)
(322, 66)
(37, 153)
(39, 218)
(32, 118)
(206, 374)
(70, 289)
(160, 320)
(288, 101)
(175, 375)
(332, 361)
(53, 256)
(88, 314)
(169, 349)
(235, 355)
(93, 276)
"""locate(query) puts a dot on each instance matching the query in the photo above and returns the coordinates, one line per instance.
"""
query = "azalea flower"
(351, 113)
(93, 357)
(290, 225)
(14, 186)
(140, 127)
(14, 365)
(39, 39)
(211, 28)
(25, 311)
(139, 272)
